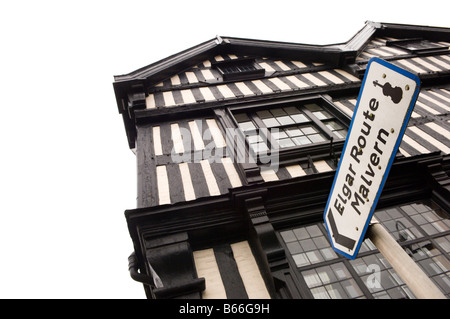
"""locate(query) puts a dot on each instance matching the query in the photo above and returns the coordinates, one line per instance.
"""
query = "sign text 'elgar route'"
(385, 103)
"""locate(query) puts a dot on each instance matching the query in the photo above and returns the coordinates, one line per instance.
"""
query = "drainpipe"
(133, 267)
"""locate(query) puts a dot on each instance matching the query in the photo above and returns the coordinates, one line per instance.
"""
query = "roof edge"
(172, 60)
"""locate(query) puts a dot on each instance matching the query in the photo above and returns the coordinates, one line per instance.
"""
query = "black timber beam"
(402, 31)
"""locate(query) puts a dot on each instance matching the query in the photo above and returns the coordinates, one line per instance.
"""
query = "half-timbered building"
(237, 142)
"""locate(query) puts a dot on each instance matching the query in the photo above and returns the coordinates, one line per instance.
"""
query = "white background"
(67, 175)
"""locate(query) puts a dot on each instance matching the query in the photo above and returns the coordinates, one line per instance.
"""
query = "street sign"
(385, 103)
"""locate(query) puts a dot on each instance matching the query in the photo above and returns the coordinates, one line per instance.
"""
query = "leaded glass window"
(289, 126)
(421, 228)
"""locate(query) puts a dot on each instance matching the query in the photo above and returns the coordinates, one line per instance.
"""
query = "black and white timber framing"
(212, 229)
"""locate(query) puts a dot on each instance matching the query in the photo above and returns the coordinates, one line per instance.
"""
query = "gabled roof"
(132, 89)
(335, 54)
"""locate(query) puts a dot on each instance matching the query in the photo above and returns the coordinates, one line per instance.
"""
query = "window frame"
(423, 46)
(330, 147)
(368, 250)
(255, 72)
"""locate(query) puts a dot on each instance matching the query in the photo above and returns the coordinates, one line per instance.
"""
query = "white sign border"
(416, 79)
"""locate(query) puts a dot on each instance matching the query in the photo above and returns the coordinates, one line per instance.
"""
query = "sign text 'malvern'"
(387, 97)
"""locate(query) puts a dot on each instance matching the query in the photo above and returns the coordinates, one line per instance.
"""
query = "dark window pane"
(294, 248)
(278, 112)
(291, 110)
(264, 114)
(307, 244)
(241, 117)
(314, 231)
(321, 242)
(301, 233)
(313, 107)
(288, 236)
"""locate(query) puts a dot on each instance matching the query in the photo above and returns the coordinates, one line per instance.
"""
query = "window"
(333, 281)
(420, 228)
(418, 45)
(239, 69)
(287, 126)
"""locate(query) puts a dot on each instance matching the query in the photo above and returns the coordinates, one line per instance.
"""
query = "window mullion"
(265, 134)
(319, 124)
(255, 118)
(358, 279)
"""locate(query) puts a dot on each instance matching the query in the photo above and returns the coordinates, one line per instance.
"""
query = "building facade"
(237, 143)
